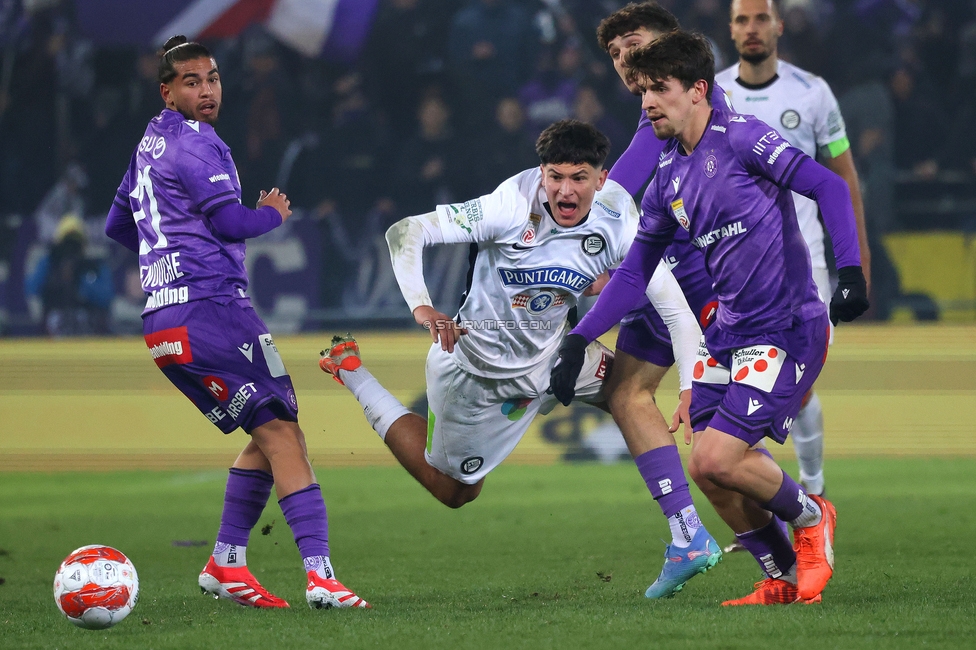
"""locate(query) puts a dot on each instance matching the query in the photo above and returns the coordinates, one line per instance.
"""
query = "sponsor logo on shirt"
(219, 177)
(760, 147)
(719, 128)
(467, 214)
(665, 163)
(170, 346)
(719, 233)
(776, 152)
(835, 123)
(760, 98)
(758, 366)
(612, 213)
(551, 276)
(539, 303)
(240, 399)
(678, 206)
(154, 145)
(167, 296)
(707, 369)
(216, 386)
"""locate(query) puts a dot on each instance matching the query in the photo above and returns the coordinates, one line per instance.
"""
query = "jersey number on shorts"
(142, 191)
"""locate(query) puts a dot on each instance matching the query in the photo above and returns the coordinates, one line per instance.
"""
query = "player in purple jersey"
(179, 207)
(726, 179)
(644, 350)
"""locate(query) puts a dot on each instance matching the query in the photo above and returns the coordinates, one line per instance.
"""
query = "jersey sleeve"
(204, 175)
(638, 162)
(763, 151)
(483, 219)
(829, 128)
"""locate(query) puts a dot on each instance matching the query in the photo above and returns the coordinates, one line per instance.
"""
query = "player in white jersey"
(801, 106)
(539, 242)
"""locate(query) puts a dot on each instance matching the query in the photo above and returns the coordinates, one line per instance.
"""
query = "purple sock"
(244, 500)
(789, 500)
(771, 548)
(661, 470)
(779, 522)
(305, 513)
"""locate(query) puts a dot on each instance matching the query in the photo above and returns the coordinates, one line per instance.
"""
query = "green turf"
(518, 568)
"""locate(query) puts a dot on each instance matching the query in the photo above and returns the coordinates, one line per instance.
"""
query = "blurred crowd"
(446, 101)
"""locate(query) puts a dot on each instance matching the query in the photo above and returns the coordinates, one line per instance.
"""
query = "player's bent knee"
(712, 466)
(460, 494)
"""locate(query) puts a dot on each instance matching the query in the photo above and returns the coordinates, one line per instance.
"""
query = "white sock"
(321, 565)
(229, 555)
(810, 516)
(684, 525)
(379, 406)
(807, 435)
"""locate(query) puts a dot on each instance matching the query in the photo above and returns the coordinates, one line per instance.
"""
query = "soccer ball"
(96, 587)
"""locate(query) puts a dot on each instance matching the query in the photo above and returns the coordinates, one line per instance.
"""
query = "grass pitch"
(548, 557)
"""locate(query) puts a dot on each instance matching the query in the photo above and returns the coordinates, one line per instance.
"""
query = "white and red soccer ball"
(96, 587)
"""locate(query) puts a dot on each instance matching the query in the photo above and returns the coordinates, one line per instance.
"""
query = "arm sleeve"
(237, 222)
(205, 173)
(637, 163)
(831, 193)
(120, 226)
(407, 239)
(666, 296)
(829, 129)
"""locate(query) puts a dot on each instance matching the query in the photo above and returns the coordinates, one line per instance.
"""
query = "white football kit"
(526, 276)
(801, 106)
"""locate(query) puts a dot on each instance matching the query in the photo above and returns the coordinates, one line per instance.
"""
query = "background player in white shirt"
(802, 108)
(538, 242)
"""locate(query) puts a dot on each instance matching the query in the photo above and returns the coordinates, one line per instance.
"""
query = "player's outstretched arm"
(407, 239)
(829, 190)
(665, 294)
(620, 295)
(277, 200)
(237, 222)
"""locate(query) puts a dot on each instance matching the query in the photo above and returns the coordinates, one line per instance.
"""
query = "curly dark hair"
(573, 142)
(685, 56)
(649, 15)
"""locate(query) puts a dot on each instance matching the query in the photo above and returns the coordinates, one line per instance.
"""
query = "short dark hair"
(777, 9)
(649, 15)
(176, 50)
(573, 142)
(685, 56)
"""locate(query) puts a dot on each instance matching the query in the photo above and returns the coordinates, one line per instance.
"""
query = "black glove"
(851, 298)
(562, 380)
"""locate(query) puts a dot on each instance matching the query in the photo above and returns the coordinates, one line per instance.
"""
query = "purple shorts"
(643, 335)
(752, 387)
(221, 356)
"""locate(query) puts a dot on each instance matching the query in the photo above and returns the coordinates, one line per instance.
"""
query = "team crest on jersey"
(711, 166)
(678, 206)
(790, 119)
(594, 244)
(472, 465)
(758, 366)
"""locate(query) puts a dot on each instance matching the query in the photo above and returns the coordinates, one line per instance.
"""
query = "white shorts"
(474, 422)
(822, 279)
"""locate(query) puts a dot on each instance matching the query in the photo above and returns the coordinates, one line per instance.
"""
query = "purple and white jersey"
(730, 196)
(633, 171)
(179, 175)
